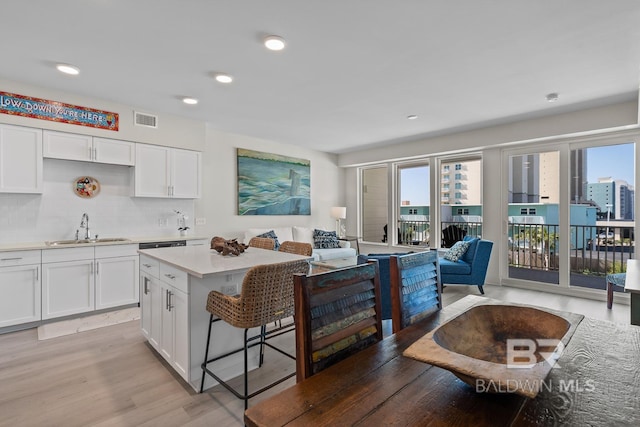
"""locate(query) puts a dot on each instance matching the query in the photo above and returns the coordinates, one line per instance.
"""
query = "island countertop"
(200, 261)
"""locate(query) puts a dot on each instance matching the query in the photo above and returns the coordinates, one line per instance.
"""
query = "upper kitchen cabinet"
(167, 172)
(20, 159)
(70, 146)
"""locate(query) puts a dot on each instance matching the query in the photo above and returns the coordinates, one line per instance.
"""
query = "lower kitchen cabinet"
(83, 279)
(116, 281)
(165, 313)
(19, 287)
(67, 288)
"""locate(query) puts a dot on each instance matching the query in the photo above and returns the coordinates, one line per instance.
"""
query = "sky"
(615, 161)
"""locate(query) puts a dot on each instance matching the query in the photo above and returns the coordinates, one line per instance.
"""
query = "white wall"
(219, 202)
(172, 131)
(56, 214)
(489, 141)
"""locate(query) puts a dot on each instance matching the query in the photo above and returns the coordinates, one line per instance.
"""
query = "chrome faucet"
(84, 223)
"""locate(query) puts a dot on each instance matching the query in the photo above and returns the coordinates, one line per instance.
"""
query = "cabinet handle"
(170, 300)
(37, 273)
(146, 287)
(166, 299)
(11, 259)
(90, 153)
(147, 265)
(95, 154)
(170, 276)
(97, 267)
(91, 268)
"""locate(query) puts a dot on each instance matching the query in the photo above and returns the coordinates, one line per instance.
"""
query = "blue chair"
(471, 268)
(385, 279)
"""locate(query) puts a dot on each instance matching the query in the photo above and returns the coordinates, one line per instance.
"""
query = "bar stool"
(266, 297)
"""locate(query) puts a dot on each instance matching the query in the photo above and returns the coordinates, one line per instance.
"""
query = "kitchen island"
(174, 285)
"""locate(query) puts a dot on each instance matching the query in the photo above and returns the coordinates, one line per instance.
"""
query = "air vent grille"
(146, 120)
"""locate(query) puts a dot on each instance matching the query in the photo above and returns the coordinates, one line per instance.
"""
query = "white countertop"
(201, 261)
(25, 246)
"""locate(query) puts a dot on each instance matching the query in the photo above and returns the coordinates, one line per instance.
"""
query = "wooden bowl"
(499, 348)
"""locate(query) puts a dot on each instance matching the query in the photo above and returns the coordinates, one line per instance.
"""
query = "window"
(374, 202)
(458, 176)
(463, 211)
(445, 168)
(532, 211)
(458, 195)
(445, 186)
(458, 166)
(413, 182)
(523, 211)
(458, 186)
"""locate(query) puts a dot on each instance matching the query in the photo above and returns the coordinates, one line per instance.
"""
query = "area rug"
(81, 324)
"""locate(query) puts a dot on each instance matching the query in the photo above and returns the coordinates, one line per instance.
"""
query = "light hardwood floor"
(111, 377)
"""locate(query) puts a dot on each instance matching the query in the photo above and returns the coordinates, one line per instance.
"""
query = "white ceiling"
(353, 70)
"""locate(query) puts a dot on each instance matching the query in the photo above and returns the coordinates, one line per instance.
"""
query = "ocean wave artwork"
(272, 184)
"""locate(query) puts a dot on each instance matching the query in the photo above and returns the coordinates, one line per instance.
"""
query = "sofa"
(304, 234)
(471, 268)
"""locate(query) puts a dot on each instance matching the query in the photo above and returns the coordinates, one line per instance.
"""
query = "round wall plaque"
(86, 187)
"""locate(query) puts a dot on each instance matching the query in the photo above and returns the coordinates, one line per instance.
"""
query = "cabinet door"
(179, 307)
(145, 306)
(185, 174)
(157, 308)
(166, 328)
(69, 146)
(20, 291)
(67, 288)
(113, 151)
(151, 171)
(20, 159)
(116, 281)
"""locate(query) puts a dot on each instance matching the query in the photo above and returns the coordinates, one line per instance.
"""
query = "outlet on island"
(229, 289)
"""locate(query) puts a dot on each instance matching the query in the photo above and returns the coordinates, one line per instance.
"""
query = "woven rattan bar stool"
(299, 248)
(266, 297)
(262, 243)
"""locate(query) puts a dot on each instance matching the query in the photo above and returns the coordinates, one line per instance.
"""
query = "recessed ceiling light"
(189, 100)
(412, 117)
(552, 97)
(274, 42)
(68, 69)
(223, 78)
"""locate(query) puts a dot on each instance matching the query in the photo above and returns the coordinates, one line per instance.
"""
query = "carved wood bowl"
(478, 346)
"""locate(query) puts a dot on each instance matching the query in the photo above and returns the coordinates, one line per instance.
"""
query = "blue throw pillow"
(456, 251)
(471, 251)
(325, 239)
(271, 235)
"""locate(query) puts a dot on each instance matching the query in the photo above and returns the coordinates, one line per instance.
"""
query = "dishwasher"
(166, 244)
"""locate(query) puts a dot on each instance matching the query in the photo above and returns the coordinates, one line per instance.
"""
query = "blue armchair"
(385, 279)
(471, 268)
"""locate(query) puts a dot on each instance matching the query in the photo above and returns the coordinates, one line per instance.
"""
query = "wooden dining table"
(596, 383)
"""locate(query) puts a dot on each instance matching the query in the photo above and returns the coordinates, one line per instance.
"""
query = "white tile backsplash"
(114, 212)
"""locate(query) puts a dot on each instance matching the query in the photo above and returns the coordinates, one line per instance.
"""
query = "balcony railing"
(533, 249)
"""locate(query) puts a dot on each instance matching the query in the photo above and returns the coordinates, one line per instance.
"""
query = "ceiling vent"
(146, 120)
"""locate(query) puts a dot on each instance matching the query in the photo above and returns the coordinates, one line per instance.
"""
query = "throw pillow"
(271, 235)
(325, 239)
(456, 251)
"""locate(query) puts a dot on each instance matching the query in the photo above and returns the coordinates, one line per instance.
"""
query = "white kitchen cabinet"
(83, 279)
(71, 146)
(167, 172)
(20, 159)
(19, 287)
(67, 288)
(117, 275)
(198, 242)
(165, 312)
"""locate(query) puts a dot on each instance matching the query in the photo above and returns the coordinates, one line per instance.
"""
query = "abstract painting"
(271, 184)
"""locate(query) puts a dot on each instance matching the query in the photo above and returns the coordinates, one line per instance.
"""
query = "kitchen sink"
(81, 241)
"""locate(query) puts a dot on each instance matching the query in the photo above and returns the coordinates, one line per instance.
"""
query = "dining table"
(596, 382)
